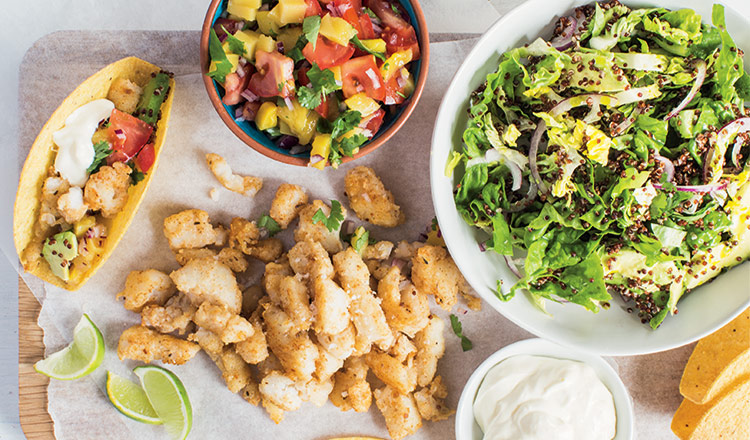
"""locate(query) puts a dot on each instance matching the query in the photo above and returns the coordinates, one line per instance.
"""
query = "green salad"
(614, 157)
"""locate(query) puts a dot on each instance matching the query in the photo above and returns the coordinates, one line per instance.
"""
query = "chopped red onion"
(700, 76)
(334, 10)
(668, 166)
(376, 27)
(517, 174)
(238, 112)
(297, 149)
(249, 95)
(533, 151)
(289, 103)
(286, 141)
(118, 131)
(512, 266)
(374, 77)
(565, 40)
(316, 158)
(280, 47)
(241, 72)
(482, 246)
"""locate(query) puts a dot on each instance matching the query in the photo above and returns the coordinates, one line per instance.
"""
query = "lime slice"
(78, 359)
(169, 399)
(130, 399)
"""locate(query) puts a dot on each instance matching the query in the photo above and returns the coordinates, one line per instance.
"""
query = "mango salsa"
(363, 104)
(375, 45)
(321, 146)
(250, 40)
(268, 22)
(291, 11)
(300, 121)
(267, 116)
(337, 30)
(266, 44)
(244, 9)
(394, 63)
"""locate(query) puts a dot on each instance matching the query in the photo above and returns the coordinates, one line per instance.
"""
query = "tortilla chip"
(719, 361)
(42, 155)
(727, 417)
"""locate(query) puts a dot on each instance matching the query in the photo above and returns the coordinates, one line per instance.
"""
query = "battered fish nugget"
(430, 344)
(399, 410)
(273, 274)
(125, 95)
(308, 230)
(208, 280)
(230, 327)
(331, 305)
(310, 258)
(209, 342)
(326, 365)
(288, 202)
(140, 343)
(189, 229)
(315, 391)
(234, 259)
(407, 310)
(243, 235)
(107, 189)
(255, 348)
(266, 250)
(369, 198)
(296, 351)
(378, 251)
(293, 297)
(234, 370)
(71, 205)
(176, 315)
(280, 390)
(184, 255)
(350, 388)
(251, 393)
(341, 344)
(431, 401)
(146, 287)
(245, 185)
(434, 272)
(399, 374)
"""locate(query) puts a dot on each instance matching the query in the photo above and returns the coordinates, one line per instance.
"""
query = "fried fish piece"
(294, 298)
(176, 315)
(107, 189)
(209, 342)
(378, 251)
(71, 205)
(230, 327)
(254, 349)
(400, 411)
(350, 388)
(331, 305)
(369, 198)
(397, 373)
(288, 202)
(431, 401)
(140, 343)
(124, 94)
(146, 287)
(430, 343)
(234, 259)
(245, 185)
(407, 310)
(295, 350)
(309, 257)
(184, 255)
(273, 274)
(309, 230)
(243, 235)
(190, 228)
(435, 273)
(281, 390)
(208, 280)
(266, 250)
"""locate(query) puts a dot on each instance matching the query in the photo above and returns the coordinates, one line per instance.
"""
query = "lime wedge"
(130, 399)
(169, 399)
(78, 359)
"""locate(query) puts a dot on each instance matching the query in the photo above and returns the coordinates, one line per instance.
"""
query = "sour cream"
(75, 152)
(533, 397)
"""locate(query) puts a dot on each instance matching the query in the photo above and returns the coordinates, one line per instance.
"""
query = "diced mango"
(321, 146)
(336, 73)
(249, 3)
(243, 10)
(289, 37)
(394, 63)
(250, 40)
(299, 120)
(266, 44)
(284, 128)
(375, 45)
(233, 58)
(267, 116)
(409, 86)
(81, 226)
(363, 104)
(337, 30)
(267, 22)
(291, 11)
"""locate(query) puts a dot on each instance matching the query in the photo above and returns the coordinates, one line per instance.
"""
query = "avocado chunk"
(59, 251)
(154, 95)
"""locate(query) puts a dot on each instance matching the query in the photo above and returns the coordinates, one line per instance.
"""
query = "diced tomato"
(234, 85)
(349, 10)
(117, 156)
(224, 23)
(302, 78)
(328, 107)
(250, 110)
(327, 53)
(366, 30)
(274, 76)
(145, 158)
(127, 133)
(361, 74)
(313, 8)
(373, 122)
(397, 32)
(394, 93)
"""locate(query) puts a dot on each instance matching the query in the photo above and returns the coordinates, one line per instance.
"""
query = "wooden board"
(32, 386)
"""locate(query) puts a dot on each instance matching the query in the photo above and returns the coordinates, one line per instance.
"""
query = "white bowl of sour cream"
(536, 386)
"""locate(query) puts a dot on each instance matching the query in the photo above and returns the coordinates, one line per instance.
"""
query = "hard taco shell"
(42, 156)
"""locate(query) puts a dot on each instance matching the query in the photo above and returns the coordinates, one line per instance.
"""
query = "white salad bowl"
(466, 426)
(613, 331)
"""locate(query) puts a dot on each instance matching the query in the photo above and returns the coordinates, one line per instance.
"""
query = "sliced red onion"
(517, 174)
(524, 203)
(376, 27)
(249, 95)
(565, 40)
(334, 10)
(697, 188)
(348, 226)
(297, 149)
(668, 166)
(700, 76)
(238, 112)
(591, 99)
(289, 104)
(482, 246)
(637, 94)
(512, 266)
(741, 125)
(624, 125)
(374, 78)
(736, 152)
(242, 62)
(533, 151)
(241, 72)
(286, 141)
(314, 159)
(595, 112)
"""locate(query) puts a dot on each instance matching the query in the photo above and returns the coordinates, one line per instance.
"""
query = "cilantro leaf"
(235, 44)
(466, 344)
(401, 95)
(369, 12)
(349, 146)
(102, 150)
(334, 220)
(395, 9)
(311, 28)
(221, 63)
(345, 122)
(322, 82)
(364, 48)
(136, 176)
(269, 224)
(296, 52)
